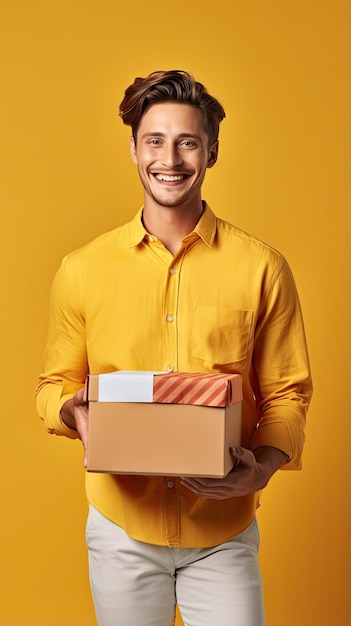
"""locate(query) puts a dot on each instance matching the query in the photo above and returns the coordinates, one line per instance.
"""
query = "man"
(178, 289)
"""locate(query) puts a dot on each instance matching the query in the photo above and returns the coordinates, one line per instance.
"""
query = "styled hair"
(170, 86)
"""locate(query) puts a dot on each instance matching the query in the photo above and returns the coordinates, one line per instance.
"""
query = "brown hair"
(166, 86)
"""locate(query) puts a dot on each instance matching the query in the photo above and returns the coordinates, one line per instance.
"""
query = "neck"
(171, 224)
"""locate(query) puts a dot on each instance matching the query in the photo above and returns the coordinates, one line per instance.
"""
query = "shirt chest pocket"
(221, 335)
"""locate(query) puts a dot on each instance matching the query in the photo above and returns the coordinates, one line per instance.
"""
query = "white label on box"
(127, 386)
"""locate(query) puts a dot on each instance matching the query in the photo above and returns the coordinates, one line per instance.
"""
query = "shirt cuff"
(279, 435)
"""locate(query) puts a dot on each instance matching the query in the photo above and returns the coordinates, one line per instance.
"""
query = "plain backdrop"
(282, 71)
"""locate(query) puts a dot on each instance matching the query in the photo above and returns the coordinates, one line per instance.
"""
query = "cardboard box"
(129, 433)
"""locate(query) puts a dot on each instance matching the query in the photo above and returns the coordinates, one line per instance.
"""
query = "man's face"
(172, 154)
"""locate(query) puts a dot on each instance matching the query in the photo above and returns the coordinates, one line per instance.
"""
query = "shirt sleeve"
(65, 364)
(282, 370)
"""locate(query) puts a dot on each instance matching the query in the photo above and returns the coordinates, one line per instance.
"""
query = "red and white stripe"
(201, 389)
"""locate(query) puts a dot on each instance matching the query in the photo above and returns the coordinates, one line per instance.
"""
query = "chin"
(168, 202)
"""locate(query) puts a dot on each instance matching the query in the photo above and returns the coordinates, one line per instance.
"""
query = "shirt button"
(170, 368)
(170, 484)
(172, 271)
(169, 318)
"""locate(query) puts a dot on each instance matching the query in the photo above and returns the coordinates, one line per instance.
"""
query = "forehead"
(172, 118)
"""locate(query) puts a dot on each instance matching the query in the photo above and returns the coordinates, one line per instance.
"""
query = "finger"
(203, 492)
(201, 482)
(78, 399)
(190, 483)
(84, 441)
(218, 493)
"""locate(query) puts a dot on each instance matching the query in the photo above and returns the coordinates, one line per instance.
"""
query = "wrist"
(67, 415)
(272, 458)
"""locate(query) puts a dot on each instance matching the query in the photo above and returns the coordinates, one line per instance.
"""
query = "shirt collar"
(137, 231)
(205, 228)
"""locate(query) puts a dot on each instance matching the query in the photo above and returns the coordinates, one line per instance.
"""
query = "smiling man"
(178, 289)
(172, 151)
(171, 162)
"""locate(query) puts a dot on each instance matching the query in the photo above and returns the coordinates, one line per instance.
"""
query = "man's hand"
(74, 414)
(251, 473)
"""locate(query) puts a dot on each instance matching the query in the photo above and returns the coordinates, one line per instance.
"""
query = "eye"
(188, 143)
(154, 142)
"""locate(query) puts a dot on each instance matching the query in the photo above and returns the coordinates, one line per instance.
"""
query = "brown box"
(161, 438)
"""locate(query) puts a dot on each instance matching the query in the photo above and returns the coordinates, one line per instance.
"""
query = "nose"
(171, 156)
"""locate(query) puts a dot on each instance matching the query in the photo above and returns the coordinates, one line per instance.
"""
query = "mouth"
(169, 178)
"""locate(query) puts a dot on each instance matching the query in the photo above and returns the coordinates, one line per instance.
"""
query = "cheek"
(145, 158)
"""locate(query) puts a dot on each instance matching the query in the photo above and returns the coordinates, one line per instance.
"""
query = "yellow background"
(281, 69)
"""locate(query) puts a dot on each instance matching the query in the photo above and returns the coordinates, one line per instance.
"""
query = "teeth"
(169, 179)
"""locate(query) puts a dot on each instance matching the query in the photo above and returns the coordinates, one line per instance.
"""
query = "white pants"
(138, 584)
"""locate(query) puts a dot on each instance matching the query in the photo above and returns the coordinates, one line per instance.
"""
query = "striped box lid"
(201, 389)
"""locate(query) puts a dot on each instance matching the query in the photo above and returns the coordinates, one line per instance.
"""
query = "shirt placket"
(171, 484)
(171, 316)
(171, 304)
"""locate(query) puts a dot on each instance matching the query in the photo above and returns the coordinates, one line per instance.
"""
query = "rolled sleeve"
(65, 364)
(282, 367)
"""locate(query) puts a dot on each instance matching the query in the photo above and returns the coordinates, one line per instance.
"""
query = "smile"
(170, 179)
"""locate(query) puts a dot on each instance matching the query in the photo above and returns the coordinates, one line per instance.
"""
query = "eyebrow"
(181, 135)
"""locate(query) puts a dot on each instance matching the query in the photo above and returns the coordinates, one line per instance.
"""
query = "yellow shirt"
(226, 302)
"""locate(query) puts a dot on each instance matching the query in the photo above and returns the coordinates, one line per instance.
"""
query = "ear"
(213, 155)
(133, 151)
